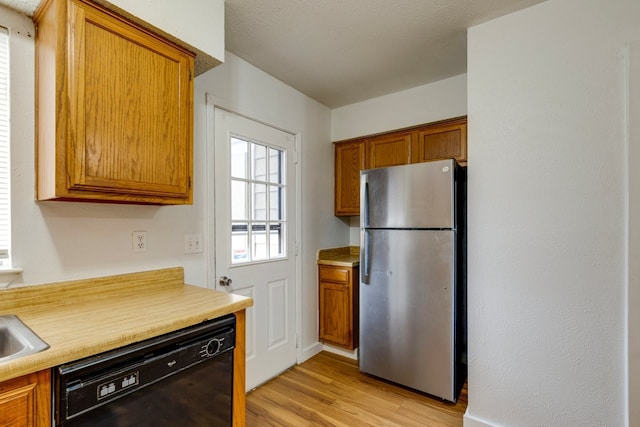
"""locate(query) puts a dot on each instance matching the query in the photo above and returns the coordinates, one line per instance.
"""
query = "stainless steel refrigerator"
(413, 276)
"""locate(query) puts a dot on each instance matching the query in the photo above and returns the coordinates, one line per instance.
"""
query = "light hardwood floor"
(329, 390)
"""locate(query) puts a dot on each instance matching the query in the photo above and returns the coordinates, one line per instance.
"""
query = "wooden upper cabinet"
(349, 160)
(388, 150)
(441, 142)
(114, 109)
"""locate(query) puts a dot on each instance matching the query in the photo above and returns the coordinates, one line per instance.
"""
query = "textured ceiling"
(343, 51)
(25, 6)
(339, 52)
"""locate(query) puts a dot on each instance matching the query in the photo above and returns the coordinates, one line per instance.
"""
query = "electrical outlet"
(192, 243)
(139, 241)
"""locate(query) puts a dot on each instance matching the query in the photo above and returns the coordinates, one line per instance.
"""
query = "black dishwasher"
(183, 378)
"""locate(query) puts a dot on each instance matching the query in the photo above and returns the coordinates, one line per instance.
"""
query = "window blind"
(5, 170)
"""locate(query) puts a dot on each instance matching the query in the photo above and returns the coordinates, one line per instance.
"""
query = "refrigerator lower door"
(407, 310)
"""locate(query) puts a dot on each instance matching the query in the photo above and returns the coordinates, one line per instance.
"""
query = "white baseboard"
(351, 354)
(471, 421)
(309, 352)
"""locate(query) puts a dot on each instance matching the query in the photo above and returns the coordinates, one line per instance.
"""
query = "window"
(5, 170)
(257, 202)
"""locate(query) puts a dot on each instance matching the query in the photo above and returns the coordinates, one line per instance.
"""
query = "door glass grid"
(258, 190)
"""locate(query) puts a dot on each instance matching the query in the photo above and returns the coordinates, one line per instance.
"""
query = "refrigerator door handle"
(365, 243)
(364, 199)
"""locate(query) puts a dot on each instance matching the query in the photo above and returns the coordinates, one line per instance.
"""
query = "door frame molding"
(209, 221)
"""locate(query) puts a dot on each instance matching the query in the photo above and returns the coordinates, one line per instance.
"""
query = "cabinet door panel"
(389, 150)
(335, 318)
(130, 114)
(349, 160)
(26, 401)
(442, 142)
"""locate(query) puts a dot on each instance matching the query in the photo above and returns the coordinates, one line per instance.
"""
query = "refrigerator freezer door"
(420, 195)
(407, 310)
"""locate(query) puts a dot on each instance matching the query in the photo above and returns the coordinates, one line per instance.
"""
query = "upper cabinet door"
(441, 142)
(349, 161)
(124, 109)
(389, 150)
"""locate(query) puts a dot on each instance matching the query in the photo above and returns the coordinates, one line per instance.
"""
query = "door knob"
(225, 281)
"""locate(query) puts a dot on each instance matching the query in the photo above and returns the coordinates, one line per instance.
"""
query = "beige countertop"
(85, 317)
(347, 256)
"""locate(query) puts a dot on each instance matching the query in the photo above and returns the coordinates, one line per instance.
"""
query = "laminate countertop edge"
(86, 317)
(347, 256)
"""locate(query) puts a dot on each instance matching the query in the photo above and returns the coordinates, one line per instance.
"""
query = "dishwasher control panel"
(98, 380)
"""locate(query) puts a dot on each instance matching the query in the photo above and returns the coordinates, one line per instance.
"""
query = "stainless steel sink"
(17, 340)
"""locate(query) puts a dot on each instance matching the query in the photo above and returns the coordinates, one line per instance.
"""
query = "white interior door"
(255, 236)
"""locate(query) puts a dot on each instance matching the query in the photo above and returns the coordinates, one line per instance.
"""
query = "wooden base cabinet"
(338, 287)
(26, 401)
(114, 109)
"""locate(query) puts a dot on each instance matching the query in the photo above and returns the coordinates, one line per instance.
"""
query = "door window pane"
(239, 208)
(259, 242)
(259, 202)
(276, 158)
(276, 240)
(259, 171)
(239, 242)
(258, 205)
(239, 158)
(276, 203)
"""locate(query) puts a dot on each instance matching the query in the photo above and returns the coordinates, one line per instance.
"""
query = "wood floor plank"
(328, 390)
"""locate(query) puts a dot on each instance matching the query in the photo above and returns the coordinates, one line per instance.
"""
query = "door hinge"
(189, 182)
(189, 74)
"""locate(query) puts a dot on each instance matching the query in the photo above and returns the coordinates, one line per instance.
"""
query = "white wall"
(547, 230)
(239, 87)
(55, 241)
(200, 23)
(424, 104)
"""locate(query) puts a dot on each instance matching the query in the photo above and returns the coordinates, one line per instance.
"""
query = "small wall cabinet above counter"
(114, 107)
(439, 140)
